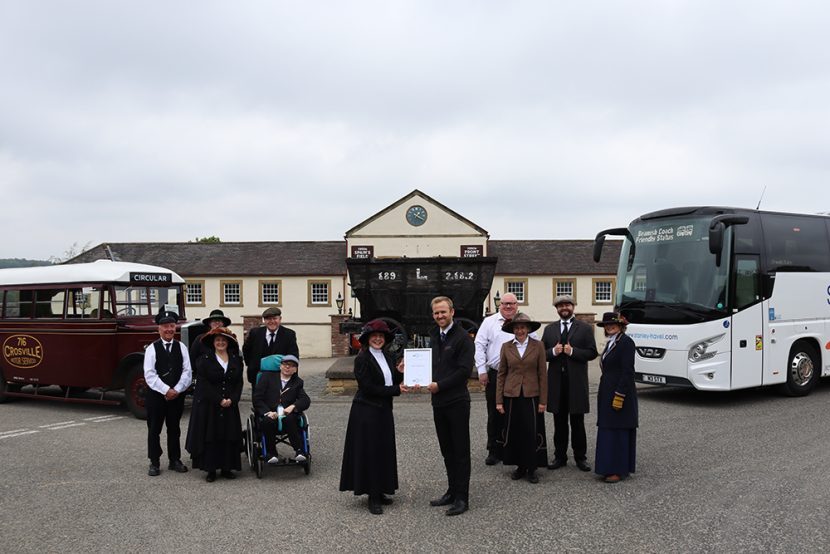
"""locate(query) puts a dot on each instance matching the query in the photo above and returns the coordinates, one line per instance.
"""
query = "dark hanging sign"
(472, 251)
(151, 279)
(363, 252)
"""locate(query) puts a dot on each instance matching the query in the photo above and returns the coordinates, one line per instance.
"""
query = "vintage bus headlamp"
(701, 350)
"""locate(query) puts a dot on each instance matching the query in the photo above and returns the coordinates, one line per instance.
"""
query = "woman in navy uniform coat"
(617, 413)
(214, 436)
(370, 463)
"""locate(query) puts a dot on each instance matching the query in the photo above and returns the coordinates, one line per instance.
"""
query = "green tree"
(209, 240)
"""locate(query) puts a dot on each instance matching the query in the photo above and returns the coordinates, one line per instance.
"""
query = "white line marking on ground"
(48, 425)
(19, 434)
(65, 426)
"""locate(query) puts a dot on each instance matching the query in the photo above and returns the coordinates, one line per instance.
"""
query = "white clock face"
(416, 215)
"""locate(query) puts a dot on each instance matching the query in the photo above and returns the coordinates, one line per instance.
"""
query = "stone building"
(305, 279)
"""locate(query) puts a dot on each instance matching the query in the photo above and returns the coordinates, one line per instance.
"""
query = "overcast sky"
(271, 120)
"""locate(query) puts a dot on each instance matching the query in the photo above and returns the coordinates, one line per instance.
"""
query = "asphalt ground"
(731, 472)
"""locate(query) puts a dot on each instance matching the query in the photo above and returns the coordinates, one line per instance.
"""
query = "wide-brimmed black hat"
(375, 326)
(166, 316)
(609, 318)
(208, 337)
(218, 315)
(523, 319)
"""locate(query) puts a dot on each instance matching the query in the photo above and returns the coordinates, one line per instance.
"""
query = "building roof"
(195, 259)
(553, 257)
(192, 259)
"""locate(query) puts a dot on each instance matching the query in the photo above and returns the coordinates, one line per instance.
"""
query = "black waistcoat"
(169, 366)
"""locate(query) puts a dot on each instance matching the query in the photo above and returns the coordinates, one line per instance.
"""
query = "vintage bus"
(726, 298)
(81, 327)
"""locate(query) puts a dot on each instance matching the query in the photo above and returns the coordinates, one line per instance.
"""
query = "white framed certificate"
(417, 366)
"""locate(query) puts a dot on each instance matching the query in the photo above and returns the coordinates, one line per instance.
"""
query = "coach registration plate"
(657, 379)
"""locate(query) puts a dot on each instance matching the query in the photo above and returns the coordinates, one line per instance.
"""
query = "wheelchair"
(254, 443)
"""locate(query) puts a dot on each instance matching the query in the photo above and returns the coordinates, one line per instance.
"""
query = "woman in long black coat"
(214, 435)
(617, 410)
(370, 463)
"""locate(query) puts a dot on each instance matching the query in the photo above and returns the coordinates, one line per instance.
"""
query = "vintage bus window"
(49, 303)
(12, 304)
(85, 303)
(132, 301)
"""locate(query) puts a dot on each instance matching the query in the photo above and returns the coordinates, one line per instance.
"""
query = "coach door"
(747, 324)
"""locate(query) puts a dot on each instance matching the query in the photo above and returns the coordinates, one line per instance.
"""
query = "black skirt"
(616, 452)
(523, 437)
(370, 464)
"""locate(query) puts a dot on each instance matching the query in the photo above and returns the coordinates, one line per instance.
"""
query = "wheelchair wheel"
(260, 466)
(251, 449)
(307, 466)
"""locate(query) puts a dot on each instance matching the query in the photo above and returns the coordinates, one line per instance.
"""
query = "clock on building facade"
(416, 215)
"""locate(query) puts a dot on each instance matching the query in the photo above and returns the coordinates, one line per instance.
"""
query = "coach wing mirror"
(599, 242)
(717, 228)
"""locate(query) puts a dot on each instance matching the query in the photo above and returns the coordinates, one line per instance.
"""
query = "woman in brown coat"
(521, 383)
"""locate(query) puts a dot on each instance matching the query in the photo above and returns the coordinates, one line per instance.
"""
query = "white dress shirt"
(152, 378)
(384, 365)
(489, 339)
(521, 347)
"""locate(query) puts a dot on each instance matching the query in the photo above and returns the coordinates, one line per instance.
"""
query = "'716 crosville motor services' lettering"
(22, 351)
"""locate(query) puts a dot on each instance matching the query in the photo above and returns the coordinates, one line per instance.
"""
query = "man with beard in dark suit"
(569, 346)
(272, 338)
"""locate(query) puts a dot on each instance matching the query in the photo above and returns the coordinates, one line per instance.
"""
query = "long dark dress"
(522, 380)
(214, 435)
(370, 464)
(616, 452)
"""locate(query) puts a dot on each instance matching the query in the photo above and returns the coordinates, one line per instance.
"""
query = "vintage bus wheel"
(135, 391)
(803, 369)
(3, 388)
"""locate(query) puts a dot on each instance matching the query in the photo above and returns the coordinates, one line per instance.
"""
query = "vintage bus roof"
(101, 271)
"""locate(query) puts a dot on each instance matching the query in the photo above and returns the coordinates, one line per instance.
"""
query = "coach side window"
(747, 282)
(796, 243)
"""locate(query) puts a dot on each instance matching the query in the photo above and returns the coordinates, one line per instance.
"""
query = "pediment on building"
(416, 215)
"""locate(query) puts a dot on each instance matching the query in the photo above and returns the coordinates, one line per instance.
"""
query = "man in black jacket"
(453, 356)
(569, 346)
(279, 397)
(270, 339)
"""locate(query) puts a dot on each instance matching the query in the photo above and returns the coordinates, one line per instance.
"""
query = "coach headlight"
(702, 350)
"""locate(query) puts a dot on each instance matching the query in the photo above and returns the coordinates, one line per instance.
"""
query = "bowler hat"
(523, 319)
(609, 318)
(272, 312)
(218, 315)
(563, 299)
(166, 316)
(208, 337)
(375, 326)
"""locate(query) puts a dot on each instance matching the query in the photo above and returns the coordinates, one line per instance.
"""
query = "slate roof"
(193, 259)
(553, 257)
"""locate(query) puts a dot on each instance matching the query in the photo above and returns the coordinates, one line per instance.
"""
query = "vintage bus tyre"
(803, 369)
(135, 391)
(4, 387)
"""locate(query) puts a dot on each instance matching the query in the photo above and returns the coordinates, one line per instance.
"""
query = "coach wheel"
(803, 369)
(135, 391)
(400, 338)
(468, 325)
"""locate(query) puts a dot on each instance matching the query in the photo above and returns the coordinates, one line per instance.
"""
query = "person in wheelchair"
(279, 400)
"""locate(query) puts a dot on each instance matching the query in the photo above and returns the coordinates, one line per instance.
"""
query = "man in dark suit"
(453, 357)
(272, 338)
(569, 346)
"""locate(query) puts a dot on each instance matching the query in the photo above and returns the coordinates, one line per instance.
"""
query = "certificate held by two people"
(417, 367)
